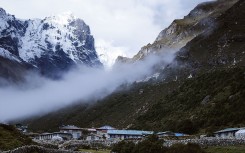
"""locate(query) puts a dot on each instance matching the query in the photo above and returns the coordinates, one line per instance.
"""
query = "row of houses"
(107, 132)
(103, 133)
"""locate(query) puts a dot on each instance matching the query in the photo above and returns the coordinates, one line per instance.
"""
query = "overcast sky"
(122, 26)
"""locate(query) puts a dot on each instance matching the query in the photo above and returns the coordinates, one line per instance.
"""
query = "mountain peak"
(53, 44)
(64, 18)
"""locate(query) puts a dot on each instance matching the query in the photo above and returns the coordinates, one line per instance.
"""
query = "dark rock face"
(201, 20)
(12, 71)
(82, 31)
(223, 48)
(52, 45)
(10, 44)
(54, 68)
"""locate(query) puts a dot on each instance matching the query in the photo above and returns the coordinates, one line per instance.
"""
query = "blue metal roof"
(179, 134)
(169, 132)
(129, 132)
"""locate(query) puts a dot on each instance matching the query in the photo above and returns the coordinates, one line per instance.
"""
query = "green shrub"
(153, 145)
(189, 148)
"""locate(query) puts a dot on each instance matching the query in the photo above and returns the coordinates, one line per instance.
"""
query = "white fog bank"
(42, 96)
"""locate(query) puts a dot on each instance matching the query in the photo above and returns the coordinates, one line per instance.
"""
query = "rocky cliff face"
(222, 48)
(202, 19)
(51, 45)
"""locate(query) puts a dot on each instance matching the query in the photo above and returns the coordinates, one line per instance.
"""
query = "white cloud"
(41, 96)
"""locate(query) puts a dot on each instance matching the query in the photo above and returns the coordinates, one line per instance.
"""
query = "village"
(72, 132)
(109, 133)
(108, 139)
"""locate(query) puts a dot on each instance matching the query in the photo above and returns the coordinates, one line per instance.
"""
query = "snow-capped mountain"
(108, 54)
(51, 45)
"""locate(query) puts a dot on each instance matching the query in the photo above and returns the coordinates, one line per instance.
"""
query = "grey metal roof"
(228, 130)
(43, 134)
(106, 127)
(166, 132)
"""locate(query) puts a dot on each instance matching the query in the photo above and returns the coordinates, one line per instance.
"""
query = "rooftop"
(70, 127)
(106, 127)
(171, 133)
(129, 132)
(43, 134)
(166, 132)
(228, 130)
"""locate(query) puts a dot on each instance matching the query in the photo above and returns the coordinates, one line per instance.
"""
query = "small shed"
(240, 134)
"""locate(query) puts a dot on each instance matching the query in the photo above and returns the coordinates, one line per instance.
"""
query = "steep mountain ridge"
(223, 48)
(202, 19)
(51, 45)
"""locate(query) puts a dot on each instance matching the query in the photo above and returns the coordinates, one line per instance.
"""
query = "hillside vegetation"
(209, 102)
(11, 138)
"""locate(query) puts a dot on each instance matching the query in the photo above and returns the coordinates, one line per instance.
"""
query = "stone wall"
(74, 144)
(204, 142)
(38, 149)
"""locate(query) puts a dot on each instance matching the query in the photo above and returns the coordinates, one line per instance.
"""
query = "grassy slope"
(228, 149)
(181, 110)
(11, 138)
(184, 111)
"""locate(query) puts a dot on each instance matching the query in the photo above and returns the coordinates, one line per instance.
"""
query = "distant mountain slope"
(224, 47)
(51, 45)
(206, 103)
(12, 71)
(202, 19)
